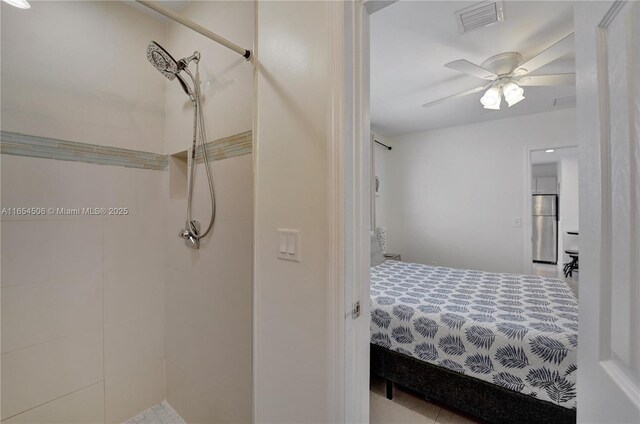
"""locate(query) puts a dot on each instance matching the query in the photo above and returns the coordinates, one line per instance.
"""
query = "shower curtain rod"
(198, 28)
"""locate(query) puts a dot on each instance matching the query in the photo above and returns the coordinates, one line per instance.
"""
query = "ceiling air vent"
(479, 15)
(564, 101)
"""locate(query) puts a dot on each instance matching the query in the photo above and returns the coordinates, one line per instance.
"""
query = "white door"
(356, 151)
(608, 110)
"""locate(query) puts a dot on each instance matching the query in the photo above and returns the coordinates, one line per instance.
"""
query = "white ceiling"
(412, 40)
(540, 157)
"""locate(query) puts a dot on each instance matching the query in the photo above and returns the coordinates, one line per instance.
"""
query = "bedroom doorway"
(590, 21)
(553, 225)
(456, 314)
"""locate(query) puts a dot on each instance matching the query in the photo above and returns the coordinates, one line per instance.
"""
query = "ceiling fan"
(507, 75)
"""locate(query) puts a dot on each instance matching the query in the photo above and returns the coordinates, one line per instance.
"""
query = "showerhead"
(162, 60)
(168, 66)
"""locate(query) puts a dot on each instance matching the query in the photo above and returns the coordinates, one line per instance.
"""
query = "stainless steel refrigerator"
(545, 228)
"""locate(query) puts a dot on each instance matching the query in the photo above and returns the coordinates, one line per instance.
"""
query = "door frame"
(349, 209)
(527, 222)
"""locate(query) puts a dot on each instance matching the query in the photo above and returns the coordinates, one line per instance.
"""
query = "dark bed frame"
(484, 400)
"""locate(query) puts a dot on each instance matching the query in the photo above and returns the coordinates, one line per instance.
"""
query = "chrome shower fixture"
(183, 63)
(190, 234)
(162, 60)
(169, 67)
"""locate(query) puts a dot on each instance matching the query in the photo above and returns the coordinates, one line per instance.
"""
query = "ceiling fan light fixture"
(515, 100)
(491, 98)
(513, 93)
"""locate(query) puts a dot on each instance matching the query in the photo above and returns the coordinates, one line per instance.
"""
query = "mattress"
(516, 331)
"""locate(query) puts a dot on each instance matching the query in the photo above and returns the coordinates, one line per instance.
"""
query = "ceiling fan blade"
(547, 80)
(464, 93)
(467, 67)
(548, 55)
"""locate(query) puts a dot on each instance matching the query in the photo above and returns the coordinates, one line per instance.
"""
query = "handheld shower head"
(168, 66)
(162, 60)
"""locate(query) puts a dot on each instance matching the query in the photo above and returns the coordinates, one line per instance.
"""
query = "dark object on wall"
(382, 144)
(487, 401)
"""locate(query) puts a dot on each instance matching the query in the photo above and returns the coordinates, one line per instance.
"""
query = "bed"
(499, 346)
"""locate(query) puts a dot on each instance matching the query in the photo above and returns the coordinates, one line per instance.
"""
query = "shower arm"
(198, 28)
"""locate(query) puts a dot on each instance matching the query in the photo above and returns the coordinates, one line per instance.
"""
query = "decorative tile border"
(235, 145)
(51, 148)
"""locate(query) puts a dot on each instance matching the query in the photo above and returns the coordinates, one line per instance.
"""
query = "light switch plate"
(288, 245)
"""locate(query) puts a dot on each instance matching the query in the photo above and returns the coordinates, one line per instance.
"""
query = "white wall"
(455, 191)
(569, 202)
(380, 162)
(209, 292)
(82, 297)
(290, 298)
(545, 170)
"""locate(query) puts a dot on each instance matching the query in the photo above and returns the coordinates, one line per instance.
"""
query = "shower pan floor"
(161, 413)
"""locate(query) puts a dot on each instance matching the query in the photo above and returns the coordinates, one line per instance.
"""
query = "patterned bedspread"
(516, 331)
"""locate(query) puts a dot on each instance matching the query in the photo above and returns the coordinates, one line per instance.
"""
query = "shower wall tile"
(133, 343)
(119, 190)
(151, 204)
(32, 183)
(176, 255)
(126, 29)
(67, 276)
(133, 278)
(61, 24)
(40, 373)
(131, 392)
(127, 291)
(68, 282)
(99, 350)
(24, 121)
(234, 182)
(86, 63)
(119, 81)
(225, 395)
(77, 251)
(189, 399)
(41, 312)
(23, 245)
(81, 407)
(208, 303)
(208, 292)
(227, 79)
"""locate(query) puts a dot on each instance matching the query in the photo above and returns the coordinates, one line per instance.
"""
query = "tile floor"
(161, 413)
(548, 270)
(408, 407)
